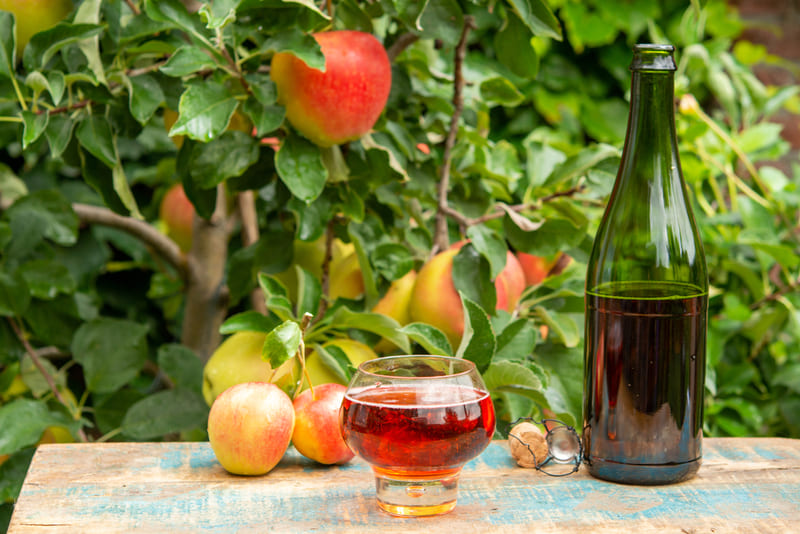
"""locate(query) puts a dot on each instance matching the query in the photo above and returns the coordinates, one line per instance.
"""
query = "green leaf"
(187, 60)
(501, 91)
(309, 292)
(302, 45)
(95, 135)
(491, 246)
(44, 45)
(250, 321)
(513, 377)
(49, 211)
(228, 156)
(282, 343)
(220, 13)
(182, 366)
(536, 14)
(89, 12)
(276, 297)
(561, 325)
(516, 341)
(23, 421)
(47, 278)
(145, 97)
(479, 343)
(392, 260)
(173, 12)
(471, 275)
(165, 412)
(97, 340)
(59, 134)
(14, 295)
(35, 124)
(8, 44)
(12, 476)
(429, 337)
(205, 110)
(513, 47)
(335, 360)
(376, 323)
(300, 168)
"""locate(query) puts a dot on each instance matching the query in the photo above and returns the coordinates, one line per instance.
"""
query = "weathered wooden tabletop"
(745, 485)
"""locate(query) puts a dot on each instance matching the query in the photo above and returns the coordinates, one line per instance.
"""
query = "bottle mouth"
(653, 57)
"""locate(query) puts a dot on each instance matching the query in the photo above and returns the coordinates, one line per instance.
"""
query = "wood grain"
(745, 485)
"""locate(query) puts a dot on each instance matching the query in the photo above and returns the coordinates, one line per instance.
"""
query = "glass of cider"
(417, 420)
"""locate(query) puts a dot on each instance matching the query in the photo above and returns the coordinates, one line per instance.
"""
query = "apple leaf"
(300, 168)
(377, 323)
(23, 421)
(219, 13)
(490, 245)
(176, 14)
(251, 321)
(478, 343)
(59, 134)
(336, 361)
(187, 60)
(309, 292)
(35, 125)
(392, 261)
(181, 365)
(48, 210)
(8, 44)
(282, 343)
(516, 378)
(47, 278)
(165, 412)
(276, 297)
(145, 96)
(96, 339)
(44, 45)
(472, 277)
(95, 135)
(228, 156)
(429, 337)
(537, 15)
(14, 294)
(205, 110)
(302, 45)
(513, 47)
(516, 341)
(561, 325)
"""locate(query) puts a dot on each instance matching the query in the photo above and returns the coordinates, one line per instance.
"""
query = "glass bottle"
(646, 301)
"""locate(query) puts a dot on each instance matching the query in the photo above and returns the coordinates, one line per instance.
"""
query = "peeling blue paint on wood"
(744, 485)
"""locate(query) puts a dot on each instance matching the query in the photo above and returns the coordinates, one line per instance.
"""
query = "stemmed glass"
(417, 420)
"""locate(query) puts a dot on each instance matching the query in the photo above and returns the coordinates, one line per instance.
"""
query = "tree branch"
(246, 203)
(160, 243)
(441, 240)
(402, 42)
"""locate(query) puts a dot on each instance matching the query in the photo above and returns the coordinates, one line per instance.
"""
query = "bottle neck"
(651, 126)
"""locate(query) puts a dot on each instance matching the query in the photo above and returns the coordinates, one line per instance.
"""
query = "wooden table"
(745, 485)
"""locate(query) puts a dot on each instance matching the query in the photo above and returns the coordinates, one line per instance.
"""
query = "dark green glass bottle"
(646, 301)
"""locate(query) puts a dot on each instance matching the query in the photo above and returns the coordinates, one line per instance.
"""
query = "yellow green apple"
(238, 360)
(342, 102)
(316, 428)
(34, 16)
(346, 280)
(250, 426)
(435, 300)
(310, 255)
(395, 304)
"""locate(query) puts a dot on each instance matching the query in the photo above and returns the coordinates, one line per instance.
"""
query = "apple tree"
(501, 132)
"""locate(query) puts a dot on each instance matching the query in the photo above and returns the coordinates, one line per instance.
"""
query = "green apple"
(395, 304)
(238, 359)
(342, 102)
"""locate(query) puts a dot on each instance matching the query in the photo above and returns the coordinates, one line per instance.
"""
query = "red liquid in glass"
(391, 428)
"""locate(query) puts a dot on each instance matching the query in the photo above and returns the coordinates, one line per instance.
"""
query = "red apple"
(534, 267)
(342, 102)
(250, 426)
(316, 431)
(435, 300)
(177, 213)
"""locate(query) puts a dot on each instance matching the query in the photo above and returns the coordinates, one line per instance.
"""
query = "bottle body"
(646, 303)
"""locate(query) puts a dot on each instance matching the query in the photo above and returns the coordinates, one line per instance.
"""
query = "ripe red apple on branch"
(344, 101)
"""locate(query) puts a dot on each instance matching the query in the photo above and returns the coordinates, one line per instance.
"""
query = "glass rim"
(470, 366)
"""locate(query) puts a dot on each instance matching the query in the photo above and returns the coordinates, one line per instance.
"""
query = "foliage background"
(97, 336)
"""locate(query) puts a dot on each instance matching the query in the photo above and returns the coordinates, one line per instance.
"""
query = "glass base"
(645, 475)
(416, 497)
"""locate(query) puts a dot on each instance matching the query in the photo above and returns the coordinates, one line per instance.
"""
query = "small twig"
(51, 383)
(402, 42)
(133, 7)
(441, 240)
(326, 267)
